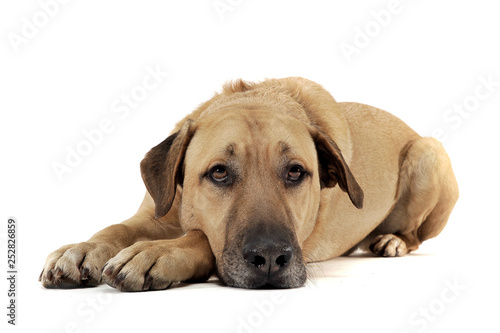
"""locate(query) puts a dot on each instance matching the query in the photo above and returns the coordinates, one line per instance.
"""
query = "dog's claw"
(58, 273)
(84, 273)
(108, 271)
(147, 282)
(118, 282)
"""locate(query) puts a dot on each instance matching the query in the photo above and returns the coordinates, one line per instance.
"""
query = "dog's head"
(251, 181)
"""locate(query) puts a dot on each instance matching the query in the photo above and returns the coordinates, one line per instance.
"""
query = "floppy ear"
(161, 168)
(333, 169)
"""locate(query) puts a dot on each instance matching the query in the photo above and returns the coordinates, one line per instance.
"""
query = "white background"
(428, 57)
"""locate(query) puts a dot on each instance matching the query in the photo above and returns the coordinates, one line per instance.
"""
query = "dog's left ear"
(161, 168)
(333, 169)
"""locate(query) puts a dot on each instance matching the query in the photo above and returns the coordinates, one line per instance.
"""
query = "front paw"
(76, 265)
(155, 265)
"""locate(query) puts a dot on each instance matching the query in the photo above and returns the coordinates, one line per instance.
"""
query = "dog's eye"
(295, 173)
(219, 174)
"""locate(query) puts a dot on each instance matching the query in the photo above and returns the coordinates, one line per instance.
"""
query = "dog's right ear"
(161, 168)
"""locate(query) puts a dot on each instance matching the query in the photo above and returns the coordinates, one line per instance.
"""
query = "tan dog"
(261, 179)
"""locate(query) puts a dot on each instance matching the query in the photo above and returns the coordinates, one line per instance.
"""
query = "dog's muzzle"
(264, 258)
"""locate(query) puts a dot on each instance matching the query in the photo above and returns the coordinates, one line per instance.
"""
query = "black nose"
(267, 256)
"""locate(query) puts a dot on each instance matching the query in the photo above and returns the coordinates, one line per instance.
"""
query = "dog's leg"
(155, 265)
(427, 193)
(79, 265)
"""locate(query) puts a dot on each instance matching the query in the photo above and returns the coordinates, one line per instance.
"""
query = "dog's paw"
(76, 265)
(388, 246)
(155, 265)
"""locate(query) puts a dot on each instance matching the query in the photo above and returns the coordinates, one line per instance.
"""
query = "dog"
(262, 179)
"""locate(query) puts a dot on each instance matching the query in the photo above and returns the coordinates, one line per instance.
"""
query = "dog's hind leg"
(427, 193)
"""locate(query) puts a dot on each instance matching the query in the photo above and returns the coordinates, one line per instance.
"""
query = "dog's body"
(262, 178)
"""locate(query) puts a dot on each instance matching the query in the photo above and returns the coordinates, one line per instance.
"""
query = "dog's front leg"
(155, 265)
(80, 264)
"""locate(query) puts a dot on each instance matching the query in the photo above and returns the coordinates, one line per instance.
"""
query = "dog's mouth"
(263, 262)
